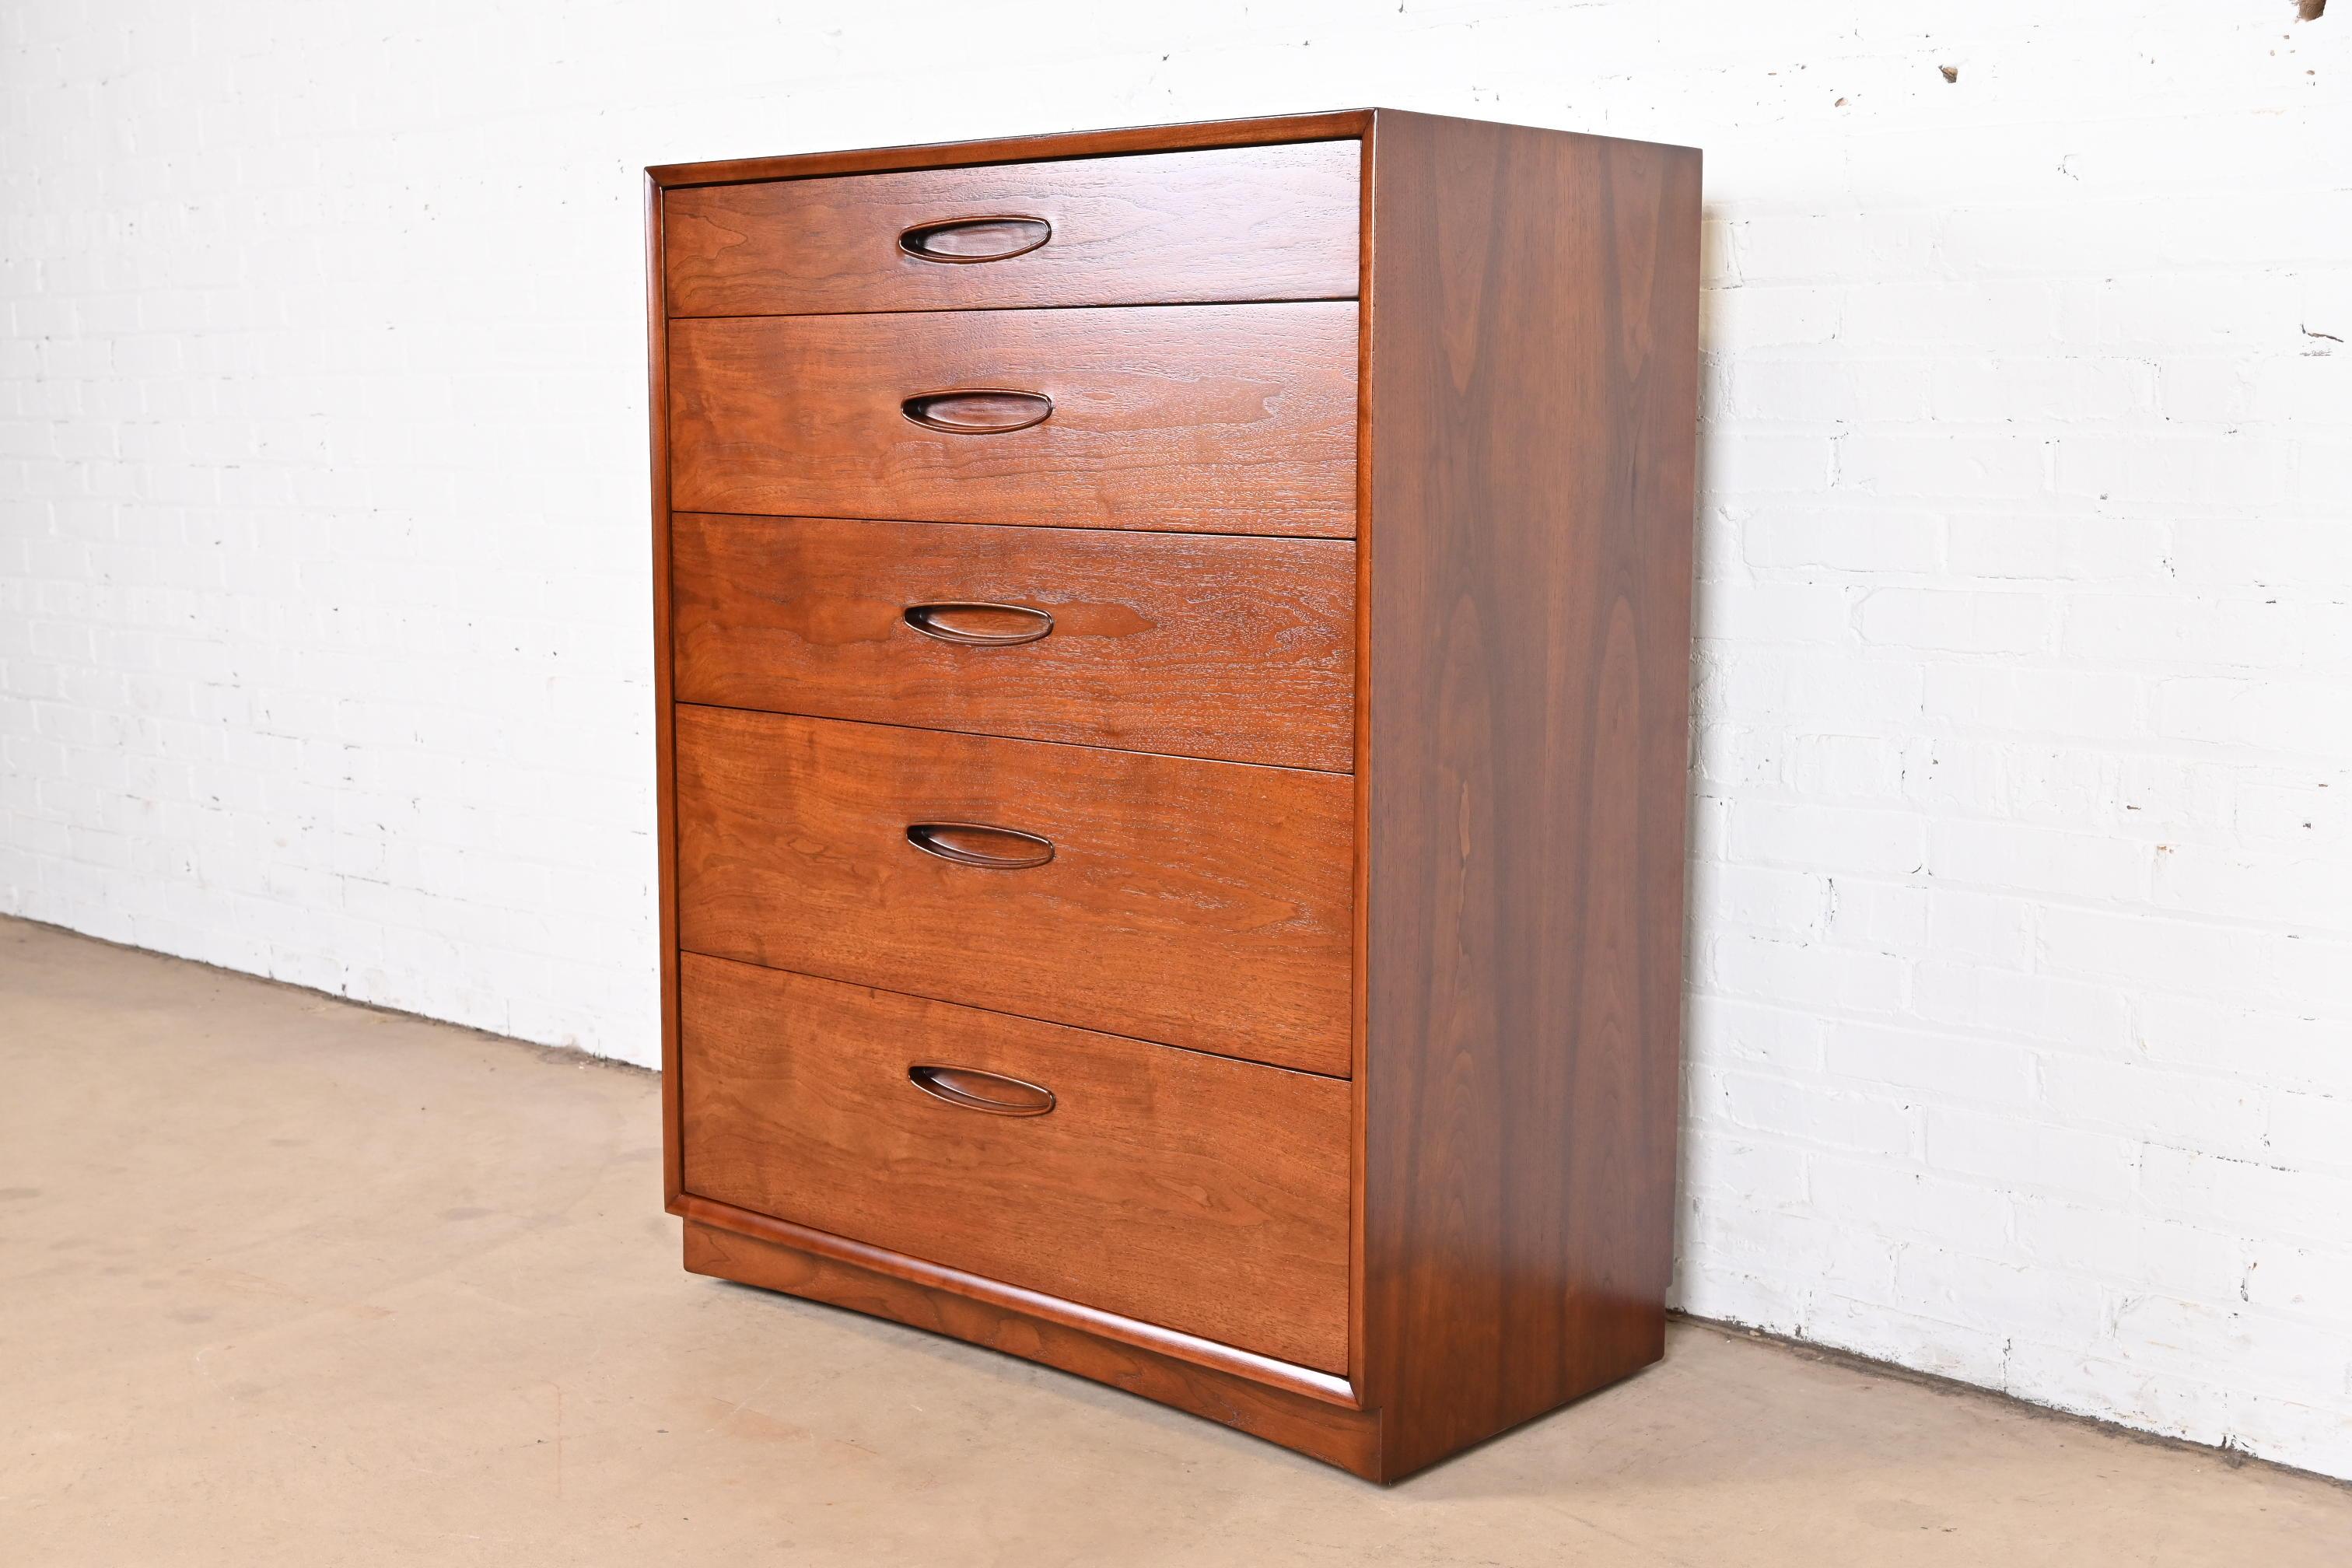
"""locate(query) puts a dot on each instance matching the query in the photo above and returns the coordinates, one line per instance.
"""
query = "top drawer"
(1228, 224)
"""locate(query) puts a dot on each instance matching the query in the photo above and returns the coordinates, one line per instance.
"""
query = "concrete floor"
(286, 1280)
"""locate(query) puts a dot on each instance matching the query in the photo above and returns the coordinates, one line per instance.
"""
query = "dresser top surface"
(1022, 149)
(1330, 125)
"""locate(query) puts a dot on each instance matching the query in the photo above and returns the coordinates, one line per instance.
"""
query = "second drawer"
(1236, 648)
(1182, 418)
(1203, 904)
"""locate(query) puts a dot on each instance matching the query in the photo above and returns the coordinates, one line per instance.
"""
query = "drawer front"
(1202, 1194)
(1233, 649)
(1219, 418)
(1238, 222)
(1203, 904)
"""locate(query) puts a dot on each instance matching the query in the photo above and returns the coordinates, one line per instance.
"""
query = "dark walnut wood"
(1533, 300)
(1458, 927)
(1203, 904)
(1215, 418)
(1182, 1189)
(1242, 649)
(1226, 224)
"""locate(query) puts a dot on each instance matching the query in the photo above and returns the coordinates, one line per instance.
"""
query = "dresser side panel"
(1533, 321)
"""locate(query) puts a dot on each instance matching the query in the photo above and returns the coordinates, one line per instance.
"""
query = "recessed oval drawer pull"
(976, 1091)
(969, 239)
(973, 624)
(981, 411)
(977, 844)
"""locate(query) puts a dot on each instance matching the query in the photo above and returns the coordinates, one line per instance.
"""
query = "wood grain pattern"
(1226, 224)
(1322, 1387)
(1259, 132)
(1236, 648)
(1187, 1190)
(1203, 904)
(1257, 1399)
(1218, 418)
(1367, 379)
(1533, 324)
(1482, 925)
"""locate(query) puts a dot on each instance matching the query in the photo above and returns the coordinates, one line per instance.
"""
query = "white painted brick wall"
(2020, 1017)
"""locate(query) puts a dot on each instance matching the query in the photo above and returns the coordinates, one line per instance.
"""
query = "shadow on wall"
(1703, 491)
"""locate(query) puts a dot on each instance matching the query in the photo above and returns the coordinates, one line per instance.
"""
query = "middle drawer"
(1236, 648)
(1195, 903)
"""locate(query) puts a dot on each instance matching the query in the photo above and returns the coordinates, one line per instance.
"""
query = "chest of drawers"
(1172, 655)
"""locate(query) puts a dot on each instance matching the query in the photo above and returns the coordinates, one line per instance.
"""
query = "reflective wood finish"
(1225, 224)
(1202, 418)
(1528, 622)
(1182, 1189)
(1249, 1394)
(1454, 932)
(1203, 904)
(1236, 648)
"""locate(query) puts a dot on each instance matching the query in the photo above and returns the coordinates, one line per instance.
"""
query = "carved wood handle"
(977, 844)
(979, 411)
(973, 624)
(969, 239)
(976, 1091)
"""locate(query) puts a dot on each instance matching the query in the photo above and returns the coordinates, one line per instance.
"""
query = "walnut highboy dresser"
(1173, 666)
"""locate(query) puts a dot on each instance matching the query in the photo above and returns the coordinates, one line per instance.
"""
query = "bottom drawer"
(1189, 1191)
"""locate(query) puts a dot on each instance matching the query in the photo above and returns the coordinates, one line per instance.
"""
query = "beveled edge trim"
(1338, 125)
(664, 715)
(1360, 768)
(1348, 1439)
(1325, 1387)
